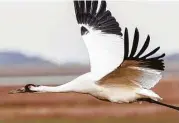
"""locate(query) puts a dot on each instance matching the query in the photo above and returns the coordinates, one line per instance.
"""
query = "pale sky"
(50, 30)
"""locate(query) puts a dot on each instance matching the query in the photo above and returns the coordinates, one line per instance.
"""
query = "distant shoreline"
(21, 80)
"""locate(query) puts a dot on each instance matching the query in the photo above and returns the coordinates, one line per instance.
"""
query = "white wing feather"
(102, 36)
(149, 77)
(136, 69)
(106, 52)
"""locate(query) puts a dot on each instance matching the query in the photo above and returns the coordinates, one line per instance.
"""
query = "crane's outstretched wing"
(102, 36)
(136, 69)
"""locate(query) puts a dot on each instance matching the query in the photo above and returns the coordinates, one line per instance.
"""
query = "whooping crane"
(116, 75)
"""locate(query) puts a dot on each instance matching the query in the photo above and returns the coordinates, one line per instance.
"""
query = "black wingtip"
(135, 43)
(144, 47)
(76, 7)
(153, 62)
(163, 55)
(102, 8)
(151, 53)
(87, 12)
(126, 44)
(158, 57)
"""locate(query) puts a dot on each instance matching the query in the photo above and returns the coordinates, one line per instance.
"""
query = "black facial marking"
(27, 87)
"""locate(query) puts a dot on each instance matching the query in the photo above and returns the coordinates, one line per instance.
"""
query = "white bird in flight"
(116, 75)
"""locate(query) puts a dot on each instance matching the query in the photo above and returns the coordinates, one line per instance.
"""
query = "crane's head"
(26, 89)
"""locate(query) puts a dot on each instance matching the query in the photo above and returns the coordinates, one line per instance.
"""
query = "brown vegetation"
(74, 105)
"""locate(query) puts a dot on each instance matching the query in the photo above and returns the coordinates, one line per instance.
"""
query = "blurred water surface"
(19, 80)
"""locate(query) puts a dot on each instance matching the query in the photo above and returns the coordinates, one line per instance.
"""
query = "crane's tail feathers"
(159, 103)
(145, 93)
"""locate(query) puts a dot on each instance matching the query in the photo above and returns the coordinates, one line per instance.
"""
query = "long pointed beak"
(21, 90)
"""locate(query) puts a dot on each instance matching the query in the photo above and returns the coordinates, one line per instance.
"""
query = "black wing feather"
(94, 8)
(158, 57)
(87, 13)
(151, 53)
(102, 9)
(135, 43)
(88, 7)
(81, 10)
(105, 16)
(126, 44)
(153, 62)
(144, 47)
(77, 9)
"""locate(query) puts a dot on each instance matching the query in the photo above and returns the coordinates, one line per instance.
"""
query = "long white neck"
(63, 88)
(81, 84)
